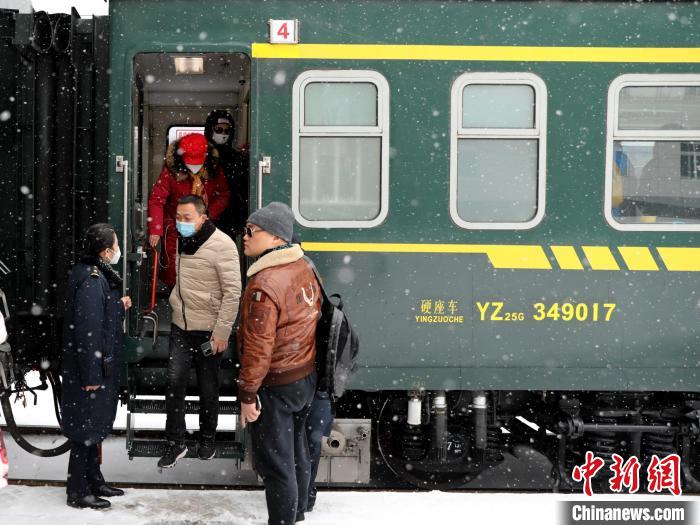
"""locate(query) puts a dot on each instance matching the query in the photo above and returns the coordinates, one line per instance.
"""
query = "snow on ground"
(39, 505)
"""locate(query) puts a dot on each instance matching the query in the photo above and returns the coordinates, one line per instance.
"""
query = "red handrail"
(156, 256)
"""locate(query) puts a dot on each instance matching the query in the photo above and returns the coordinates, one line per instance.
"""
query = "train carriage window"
(498, 106)
(340, 104)
(497, 154)
(653, 153)
(340, 152)
(659, 107)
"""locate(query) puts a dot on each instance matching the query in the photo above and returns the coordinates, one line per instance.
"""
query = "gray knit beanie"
(275, 218)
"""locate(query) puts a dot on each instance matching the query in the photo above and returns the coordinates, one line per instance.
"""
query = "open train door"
(172, 93)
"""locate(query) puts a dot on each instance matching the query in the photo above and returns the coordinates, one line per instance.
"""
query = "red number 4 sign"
(284, 31)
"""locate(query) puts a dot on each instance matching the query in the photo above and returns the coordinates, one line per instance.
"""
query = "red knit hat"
(193, 148)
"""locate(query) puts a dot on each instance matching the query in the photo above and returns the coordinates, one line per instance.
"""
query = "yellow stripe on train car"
(638, 258)
(513, 256)
(646, 55)
(600, 258)
(534, 257)
(681, 259)
(567, 258)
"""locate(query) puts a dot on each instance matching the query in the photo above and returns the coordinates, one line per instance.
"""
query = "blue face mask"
(186, 229)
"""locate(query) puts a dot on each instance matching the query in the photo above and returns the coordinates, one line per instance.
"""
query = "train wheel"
(413, 463)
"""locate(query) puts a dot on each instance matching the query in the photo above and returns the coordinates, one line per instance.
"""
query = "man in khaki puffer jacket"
(277, 347)
(204, 306)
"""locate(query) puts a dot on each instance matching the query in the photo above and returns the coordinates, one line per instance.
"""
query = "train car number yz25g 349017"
(566, 311)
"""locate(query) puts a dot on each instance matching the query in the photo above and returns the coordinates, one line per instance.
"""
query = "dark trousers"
(84, 474)
(280, 449)
(184, 349)
(318, 425)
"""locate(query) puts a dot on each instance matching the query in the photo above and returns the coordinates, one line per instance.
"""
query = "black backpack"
(337, 344)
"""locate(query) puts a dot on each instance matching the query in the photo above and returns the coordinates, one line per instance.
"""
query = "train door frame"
(138, 183)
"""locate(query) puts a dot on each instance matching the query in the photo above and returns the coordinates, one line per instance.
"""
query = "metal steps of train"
(150, 443)
(155, 448)
(157, 406)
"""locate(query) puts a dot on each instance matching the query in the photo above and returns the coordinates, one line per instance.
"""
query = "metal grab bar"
(125, 224)
(125, 236)
(151, 315)
(156, 257)
(264, 168)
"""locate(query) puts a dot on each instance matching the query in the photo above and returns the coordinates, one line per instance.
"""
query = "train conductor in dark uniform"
(92, 341)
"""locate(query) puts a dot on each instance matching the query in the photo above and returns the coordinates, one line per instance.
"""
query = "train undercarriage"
(448, 439)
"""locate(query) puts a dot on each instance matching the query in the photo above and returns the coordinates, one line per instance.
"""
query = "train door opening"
(174, 94)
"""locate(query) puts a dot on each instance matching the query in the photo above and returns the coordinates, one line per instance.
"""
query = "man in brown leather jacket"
(277, 347)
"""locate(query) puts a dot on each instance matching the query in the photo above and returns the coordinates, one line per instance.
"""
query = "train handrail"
(156, 260)
(150, 314)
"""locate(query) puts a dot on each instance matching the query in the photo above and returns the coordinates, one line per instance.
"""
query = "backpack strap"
(318, 278)
(326, 297)
(339, 306)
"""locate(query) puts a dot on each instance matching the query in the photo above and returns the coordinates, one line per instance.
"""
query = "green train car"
(506, 194)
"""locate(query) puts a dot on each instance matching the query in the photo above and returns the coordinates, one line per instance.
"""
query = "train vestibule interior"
(173, 93)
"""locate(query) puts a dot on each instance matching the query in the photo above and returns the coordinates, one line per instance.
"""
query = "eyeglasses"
(221, 129)
(249, 231)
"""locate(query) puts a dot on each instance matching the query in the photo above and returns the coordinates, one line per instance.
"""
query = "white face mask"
(194, 168)
(220, 138)
(116, 256)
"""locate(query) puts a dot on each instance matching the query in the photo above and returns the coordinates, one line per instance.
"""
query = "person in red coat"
(190, 168)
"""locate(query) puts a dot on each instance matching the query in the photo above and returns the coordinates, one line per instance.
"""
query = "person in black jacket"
(318, 426)
(219, 130)
(92, 341)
